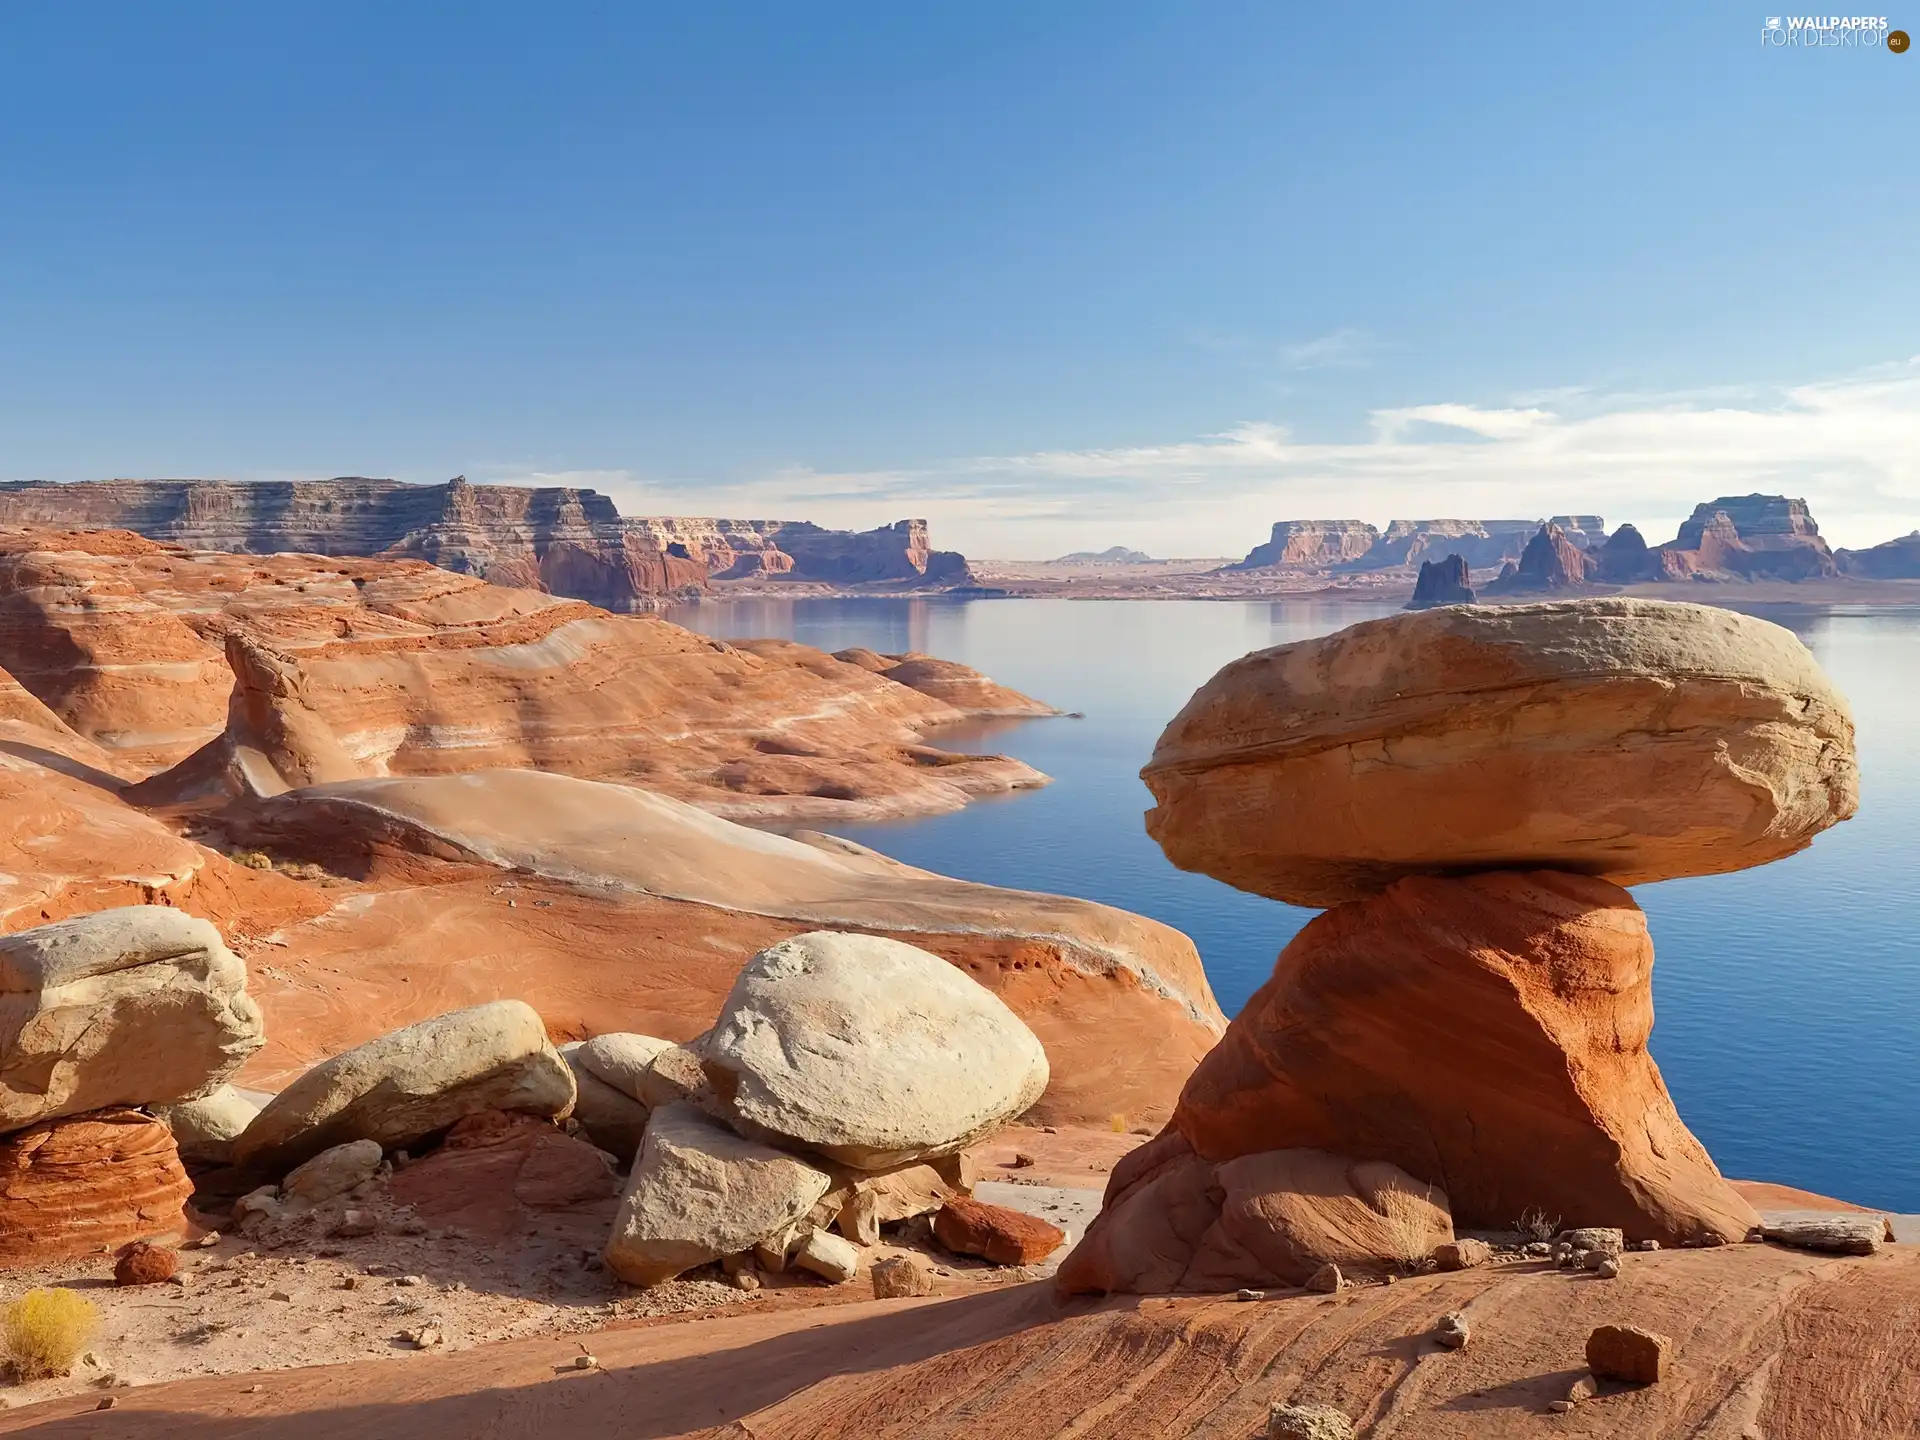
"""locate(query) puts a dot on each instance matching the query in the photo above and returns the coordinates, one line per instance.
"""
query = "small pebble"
(1249, 1294)
(208, 1240)
(1608, 1270)
(407, 1280)
(586, 1362)
(1559, 1407)
(281, 1295)
(1649, 1244)
(107, 1402)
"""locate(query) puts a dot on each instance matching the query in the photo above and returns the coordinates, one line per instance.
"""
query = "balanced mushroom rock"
(1468, 789)
(141, 1005)
(868, 1051)
(1634, 740)
(412, 1083)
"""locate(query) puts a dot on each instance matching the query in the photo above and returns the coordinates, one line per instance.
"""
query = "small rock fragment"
(208, 1240)
(1326, 1280)
(828, 1256)
(1453, 1331)
(901, 1276)
(1596, 1237)
(1559, 1407)
(1608, 1269)
(424, 1337)
(281, 1295)
(1308, 1422)
(144, 1264)
(584, 1361)
(1249, 1294)
(355, 1223)
(1649, 1244)
(1628, 1352)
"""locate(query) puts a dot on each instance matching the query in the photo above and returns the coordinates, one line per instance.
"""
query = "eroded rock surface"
(86, 1182)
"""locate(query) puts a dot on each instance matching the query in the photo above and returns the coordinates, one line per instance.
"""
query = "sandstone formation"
(621, 1060)
(1442, 582)
(868, 1051)
(699, 1192)
(82, 1183)
(1175, 1220)
(408, 1084)
(496, 1174)
(274, 740)
(142, 1005)
(1891, 560)
(1625, 559)
(1749, 537)
(1464, 1030)
(1628, 1352)
(1634, 740)
(1112, 555)
(568, 541)
(415, 670)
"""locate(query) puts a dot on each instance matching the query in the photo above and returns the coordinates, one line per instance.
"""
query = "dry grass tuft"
(45, 1330)
(1409, 1221)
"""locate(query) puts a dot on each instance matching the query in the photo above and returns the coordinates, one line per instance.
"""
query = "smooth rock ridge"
(1629, 739)
(869, 1051)
(135, 1006)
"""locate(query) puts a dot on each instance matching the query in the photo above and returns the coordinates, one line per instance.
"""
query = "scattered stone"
(424, 1337)
(1326, 1280)
(1462, 1254)
(1594, 1259)
(827, 1256)
(586, 1362)
(859, 1221)
(208, 1240)
(1453, 1331)
(1585, 1388)
(1308, 1422)
(282, 1296)
(994, 1232)
(144, 1264)
(1649, 1244)
(1249, 1294)
(333, 1172)
(699, 1192)
(107, 1402)
(1837, 1233)
(408, 1280)
(1022, 1161)
(1596, 1237)
(746, 1280)
(920, 1058)
(1607, 1269)
(354, 1224)
(900, 1276)
(1536, 1250)
(1628, 1352)
(1559, 1407)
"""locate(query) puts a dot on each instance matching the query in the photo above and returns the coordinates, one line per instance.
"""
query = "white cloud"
(1851, 446)
(1344, 349)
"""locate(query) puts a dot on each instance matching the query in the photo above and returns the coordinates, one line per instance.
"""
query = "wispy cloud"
(1344, 349)
(1851, 445)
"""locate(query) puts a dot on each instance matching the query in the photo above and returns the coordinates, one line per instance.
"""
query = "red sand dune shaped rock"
(1635, 740)
(1487, 1035)
(72, 1186)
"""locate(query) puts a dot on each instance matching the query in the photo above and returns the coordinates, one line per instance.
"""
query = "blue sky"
(1052, 275)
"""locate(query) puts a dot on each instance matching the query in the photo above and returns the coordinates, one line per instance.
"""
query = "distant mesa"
(1732, 539)
(1894, 560)
(1112, 555)
(1349, 546)
(568, 542)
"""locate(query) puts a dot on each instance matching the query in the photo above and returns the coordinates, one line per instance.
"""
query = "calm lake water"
(1788, 997)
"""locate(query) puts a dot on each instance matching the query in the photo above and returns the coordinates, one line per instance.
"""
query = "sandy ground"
(297, 1296)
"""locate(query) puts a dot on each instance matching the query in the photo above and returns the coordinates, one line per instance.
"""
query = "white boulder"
(135, 1006)
(699, 1193)
(869, 1051)
(204, 1130)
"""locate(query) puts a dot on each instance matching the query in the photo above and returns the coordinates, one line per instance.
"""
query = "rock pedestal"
(1472, 1014)
(83, 1183)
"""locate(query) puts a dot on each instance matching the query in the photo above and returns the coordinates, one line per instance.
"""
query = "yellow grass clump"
(45, 1330)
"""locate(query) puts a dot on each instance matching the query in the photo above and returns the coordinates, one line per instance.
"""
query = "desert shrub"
(254, 859)
(45, 1330)
(1534, 1224)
